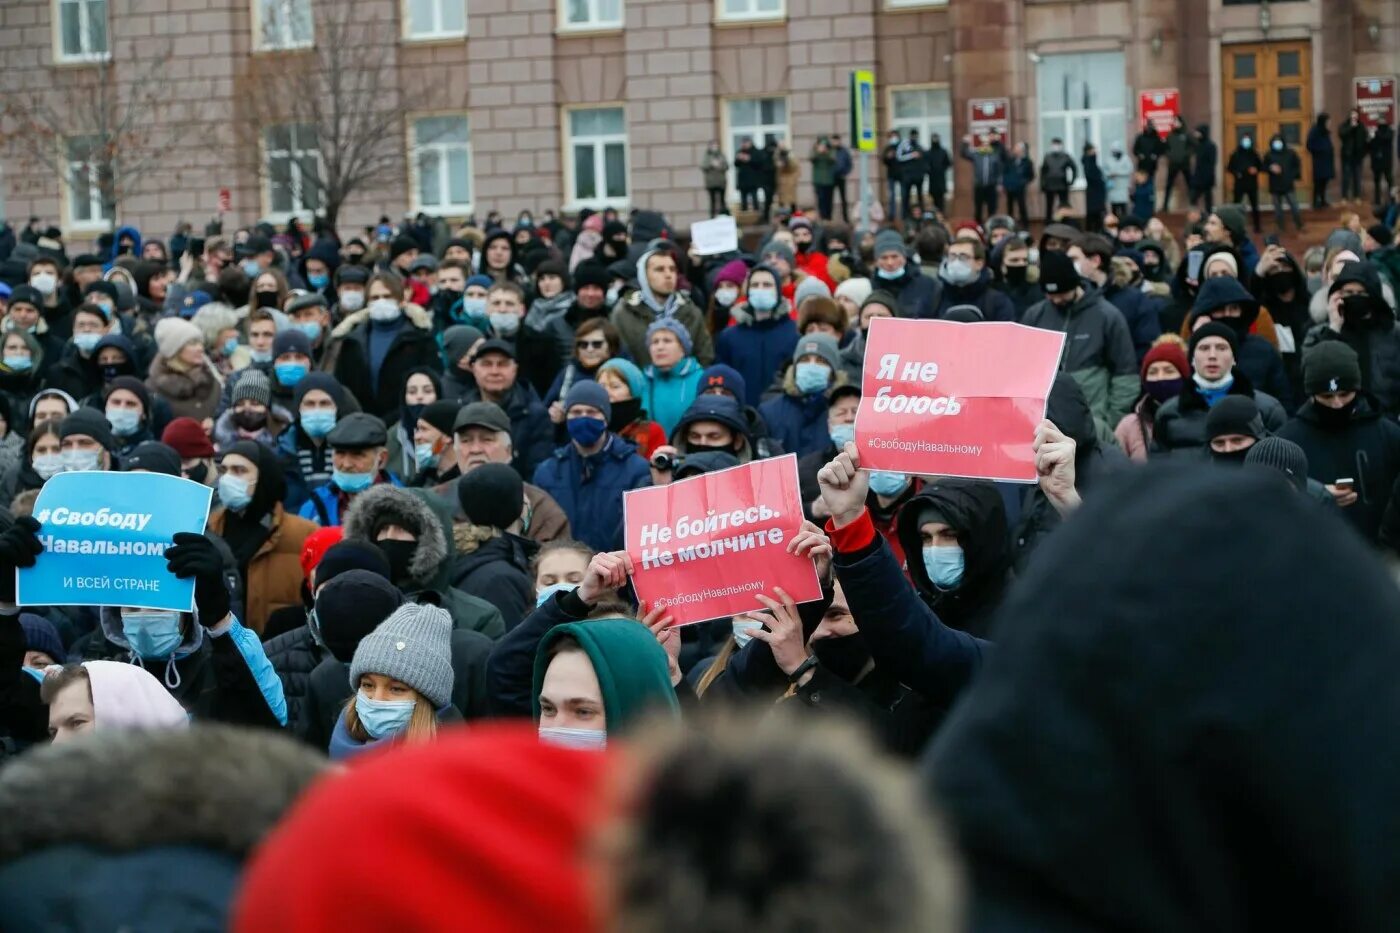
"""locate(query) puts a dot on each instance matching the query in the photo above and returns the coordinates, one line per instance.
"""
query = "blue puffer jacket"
(589, 490)
(757, 351)
(667, 395)
(322, 506)
(798, 421)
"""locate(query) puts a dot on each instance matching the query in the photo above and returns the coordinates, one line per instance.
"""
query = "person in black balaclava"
(1233, 426)
(1358, 315)
(1245, 749)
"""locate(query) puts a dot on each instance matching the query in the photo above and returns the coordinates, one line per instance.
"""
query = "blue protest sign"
(105, 537)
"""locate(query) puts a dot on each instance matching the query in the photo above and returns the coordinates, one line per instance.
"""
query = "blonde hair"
(718, 666)
(422, 725)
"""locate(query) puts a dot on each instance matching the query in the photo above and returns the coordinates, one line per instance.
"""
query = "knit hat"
(631, 665)
(781, 250)
(133, 385)
(1381, 234)
(291, 341)
(588, 392)
(323, 381)
(458, 340)
(1168, 351)
(344, 556)
(799, 220)
(735, 272)
(821, 311)
(1234, 414)
(173, 334)
(349, 607)
(1057, 273)
(823, 345)
(1233, 220)
(400, 245)
(593, 273)
(152, 457)
(888, 241)
(856, 289)
(720, 376)
(426, 261)
(414, 646)
(441, 415)
(90, 422)
(1331, 366)
(1278, 453)
(1213, 329)
(314, 548)
(484, 281)
(40, 635)
(26, 295)
(627, 370)
(186, 436)
(675, 327)
(253, 385)
(810, 287)
(491, 495)
(101, 287)
(882, 298)
(1224, 258)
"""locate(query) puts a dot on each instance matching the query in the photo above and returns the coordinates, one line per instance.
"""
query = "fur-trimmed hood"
(384, 505)
(417, 315)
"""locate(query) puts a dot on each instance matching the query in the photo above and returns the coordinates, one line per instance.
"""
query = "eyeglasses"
(590, 344)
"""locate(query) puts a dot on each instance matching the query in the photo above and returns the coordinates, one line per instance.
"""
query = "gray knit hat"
(823, 345)
(1280, 454)
(889, 241)
(810, 287)
(414, 645)
(253, 385)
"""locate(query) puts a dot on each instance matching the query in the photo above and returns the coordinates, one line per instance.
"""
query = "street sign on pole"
(864, 136)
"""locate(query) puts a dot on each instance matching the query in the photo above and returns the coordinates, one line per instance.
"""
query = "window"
(283, 24)
(293, 166)
(88, 174)
(590, 14)
(901, 4)
(442, 165)
(597, 157)
(755, 118)
(1082, 98)
(750, 9)
(435, 19)
(82, 29)
(928, 110)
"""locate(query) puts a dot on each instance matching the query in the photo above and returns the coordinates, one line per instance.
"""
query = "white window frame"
(914, 4)
(926, 126)
(756, 130)
(60, 53)
(284, 43)
(751, 15)
(97, 220)
(1115, 118)
(294, 155)
(600, 170)
(416, 149)
(594, 23)
(439, 33)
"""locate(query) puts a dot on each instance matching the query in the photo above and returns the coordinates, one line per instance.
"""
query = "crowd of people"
(418, 441)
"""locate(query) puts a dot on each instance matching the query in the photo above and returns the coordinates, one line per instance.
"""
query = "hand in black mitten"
(19, 546)
(195, 556)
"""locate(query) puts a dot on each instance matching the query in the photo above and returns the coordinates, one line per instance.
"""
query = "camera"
(665, 462)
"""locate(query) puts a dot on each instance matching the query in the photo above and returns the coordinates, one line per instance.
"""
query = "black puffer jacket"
(294, 655)
(1180, 425)
(498, 571)
(1377, 343)
(1159, 745)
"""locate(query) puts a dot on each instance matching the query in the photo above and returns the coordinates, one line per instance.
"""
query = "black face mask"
(113, 370)
(249, 420)
(1234, 458)
(400, 557)
(1358, 309)
(1152, 273)
(845, 657)
(1330, 417)
(1240, 325)
(267, 299)
(1016, 275)
(624, 413)
(198, 472)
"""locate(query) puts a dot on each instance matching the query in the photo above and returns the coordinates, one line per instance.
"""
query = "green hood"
(631, 667)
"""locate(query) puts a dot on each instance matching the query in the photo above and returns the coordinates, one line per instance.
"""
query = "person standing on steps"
(715, 169)
(1324, 159)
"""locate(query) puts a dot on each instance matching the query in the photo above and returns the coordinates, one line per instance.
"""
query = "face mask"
(261, 356)
(249, 419)
(743, 631)
(474, 308)
(79, 461)
(251, 268)
(233, 492)
(763, 300)
(1276, 146)
(352, 300)
(1334, 417)
(944, 566)
(152, 634)
(726, 297)
(504, 323)
(884, 273)
(267, 299)
(45, 282)
(612, 295)
(352, 482)
(956, 272)
(384, 310)
(889, 485)
(1357, 309)
(124, 421)
(845, 657)
(11, 325)
(425, 456)
(841, 435)
(399, 554)
(230, 346)
(1233, 458)
(289, 374)
(317, 422)
(18, 364)
(47, 465)
(1163, 389)
(198, 472)
(585, 739)
(1246, 144)
(318, 281)
(1015, 275)
(107, 308)
(812, 377)
(586, 431)
(548, 592)
(312, 329)
(86, 342)
(383, 718)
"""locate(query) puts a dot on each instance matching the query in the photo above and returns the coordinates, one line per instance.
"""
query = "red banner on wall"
(988, 115)
(1375, 98)
(1162, 106)
(949, 399)
(705, 547)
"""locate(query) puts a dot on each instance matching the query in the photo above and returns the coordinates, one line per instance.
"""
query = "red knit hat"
(188, 439)
(483, 829)
(316, 545)
(1168, 351)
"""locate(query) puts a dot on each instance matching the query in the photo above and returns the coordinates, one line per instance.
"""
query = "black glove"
(19, 546)
(194, 555)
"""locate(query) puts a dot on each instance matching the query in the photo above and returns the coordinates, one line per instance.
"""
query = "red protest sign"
(704, 547)
(225, 201)
(1375, 100)
(989, 115)
(949, 399)
(1160, 106)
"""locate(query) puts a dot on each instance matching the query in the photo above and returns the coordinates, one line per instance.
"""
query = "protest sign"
(1160, 107)
(715, 236)
(949, 399)
(705, 547)
(105, 537)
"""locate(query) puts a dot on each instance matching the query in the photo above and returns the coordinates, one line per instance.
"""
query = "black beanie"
(344, 556)
(1234, 414)
(1057, 273)
(441, 415)
(350, 607)
(1331, 366)
(91, 422)
(590, 272)
(491, 495)
(1214, 329)
(400, 245)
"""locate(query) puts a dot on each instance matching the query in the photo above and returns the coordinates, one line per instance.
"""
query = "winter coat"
(789, 170)
(715, 169)
(1095, 186)
(1378, 346)
(412, 347)
(667, 394)
(274, 575)
(1241, 161)
(798, 420)
(192, 393)
(757, 351)
(632, 316)
(1134, 432)
(531, 431)
(748, 169)
(590, 489)
(910, 158)
(1148, 148)
(994, 305)
(823, 167)
(1382, 150)
(294, 655)
(939, 163)
(1180, 425)
(1353, 138)
(918, 294)
(1057, 172)
(987, 164)
(543, 345)
(1098, 352)
(1324, 159)
(1180, 147)
(1118, 169)
(1207, 154)
(498, 571)
(1138, 313)
(1286, 159)
(1017, 174)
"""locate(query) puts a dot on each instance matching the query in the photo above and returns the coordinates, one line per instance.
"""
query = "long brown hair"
(718, 666)
(422, 725)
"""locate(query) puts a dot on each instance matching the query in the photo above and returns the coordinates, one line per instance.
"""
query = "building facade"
(543, 104)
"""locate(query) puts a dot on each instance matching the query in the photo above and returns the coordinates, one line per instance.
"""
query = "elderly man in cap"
(498, 380)
(896, 274)
(359, 456)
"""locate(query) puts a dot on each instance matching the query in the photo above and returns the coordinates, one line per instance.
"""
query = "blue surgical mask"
(152, 633)
(585, 739)
(944, 566)
(47, 465)
(887, 484)
(233, 492)
(124, 421)
(1246, 143)
(548, 592)
(318, 422)
(586, 431)
(18, 364)
(841, 435)
(812, 377)
(80, 461)
(352, 299)
(352, 482)
(763, 299)
(1277, 145)
(230, 346)
(383, 718)
(251, 268)
(425, 456)
(318, 281)
(884, 273)
(474, 308)
(86, 342)
(743, 630)
(261, 356)
(289, 374)
(505, 323)
(312, 329)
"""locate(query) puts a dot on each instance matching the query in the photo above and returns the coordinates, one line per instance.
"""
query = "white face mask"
(352, 300)
(586, 739)
(384, 309)
(504, 322)
(45, 282)
(725, 297)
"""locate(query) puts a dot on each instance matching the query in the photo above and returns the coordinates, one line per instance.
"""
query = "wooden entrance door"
(1268, 90)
